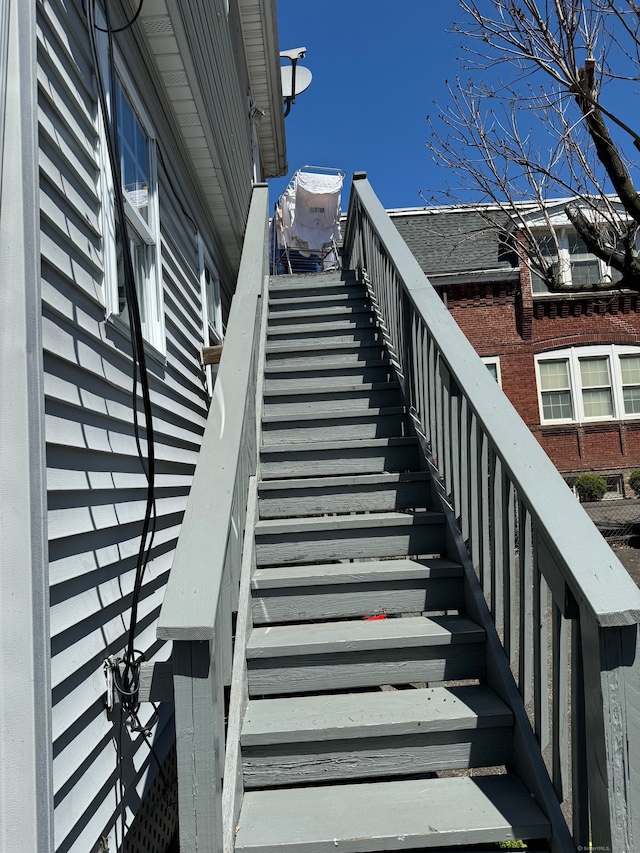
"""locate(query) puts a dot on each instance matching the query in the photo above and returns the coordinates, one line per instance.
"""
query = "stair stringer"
(528, 761)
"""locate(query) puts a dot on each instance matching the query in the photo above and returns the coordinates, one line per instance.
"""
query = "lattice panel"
(157, 821)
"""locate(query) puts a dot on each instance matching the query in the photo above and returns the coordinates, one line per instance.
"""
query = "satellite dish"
(302, 80)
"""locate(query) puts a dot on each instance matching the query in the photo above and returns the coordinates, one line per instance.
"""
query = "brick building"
(569, 362)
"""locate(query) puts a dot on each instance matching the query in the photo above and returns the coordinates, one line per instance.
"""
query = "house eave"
(260, 32)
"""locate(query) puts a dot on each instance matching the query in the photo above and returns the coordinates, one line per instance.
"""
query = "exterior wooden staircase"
(385, 604)
(370, 726)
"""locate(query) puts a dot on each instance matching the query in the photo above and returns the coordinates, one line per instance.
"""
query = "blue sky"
(377, 66)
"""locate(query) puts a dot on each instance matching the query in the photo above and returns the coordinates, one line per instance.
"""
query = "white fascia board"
(260, 25)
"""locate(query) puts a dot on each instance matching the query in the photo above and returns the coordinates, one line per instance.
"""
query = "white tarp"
(311, 212)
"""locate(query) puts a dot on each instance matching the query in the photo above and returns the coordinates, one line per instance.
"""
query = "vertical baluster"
(474, 493)
(439, 450)
(465, 473)
(484, 511)
(540, 653)
(525, 549)
(560, 751)
(426, 385)
(580, 788)
(455, 451)
(497, 539)
(416, 380)
(445, 417)
(509, 571)
(431, 367)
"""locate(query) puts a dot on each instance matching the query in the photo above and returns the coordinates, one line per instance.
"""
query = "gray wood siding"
(96, 487)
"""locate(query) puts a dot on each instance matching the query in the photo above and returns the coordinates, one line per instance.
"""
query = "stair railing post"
(611, 661)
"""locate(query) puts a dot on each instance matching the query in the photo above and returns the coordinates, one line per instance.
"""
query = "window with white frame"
(492, 363)
(136, 141)
(212, 325)
(583, 384)
(572, 262)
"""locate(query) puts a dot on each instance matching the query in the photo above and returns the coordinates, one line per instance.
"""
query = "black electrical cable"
(121, 29)
(128, 680)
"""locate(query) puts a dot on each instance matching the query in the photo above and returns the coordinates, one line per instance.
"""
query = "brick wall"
(502, 319)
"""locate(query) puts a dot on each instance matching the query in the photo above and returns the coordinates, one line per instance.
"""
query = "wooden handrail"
(609, 592)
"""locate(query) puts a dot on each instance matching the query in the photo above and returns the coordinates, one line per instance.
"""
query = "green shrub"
(634, 482)
(591, 487)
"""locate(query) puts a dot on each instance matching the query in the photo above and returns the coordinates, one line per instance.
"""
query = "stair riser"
(357, 355)
(341, 429)
(328, 401)
(279, 326)
(303, 674)
(341, 319)
(340, 290)
(353, 600)
(278, 466)
(393, 756)
(305, 380)
(310, 337)
(347, 299)
(329, 309)
(289, 503)
(363, 543)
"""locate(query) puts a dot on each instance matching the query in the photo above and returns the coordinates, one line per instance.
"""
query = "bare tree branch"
(539, 127)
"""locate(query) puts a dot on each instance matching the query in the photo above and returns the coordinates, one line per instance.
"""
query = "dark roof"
(456, 240)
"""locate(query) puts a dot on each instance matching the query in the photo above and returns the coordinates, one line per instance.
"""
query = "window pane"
(492, 367)
(585, 268)
(547, 248)
(139, 260)
(554, 375)
(134, 155)
(594, 372)
(597, 403)
(556, 405)
(585, 272)
(631, 401)
(630, 367)
(577, 246)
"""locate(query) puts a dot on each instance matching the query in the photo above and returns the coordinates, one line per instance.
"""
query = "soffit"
(260, 32)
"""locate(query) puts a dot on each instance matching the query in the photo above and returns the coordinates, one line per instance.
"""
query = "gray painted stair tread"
(342, 389)
(420, 813)
(320, 288)
(347, 482)
(326, 366)
(335, 325)
(337, 446)
(319, 346)
(336, 414)
(348, 296)
(360, 635)
(370, 571)
(301, 719)
(326, 278)
(337, 523)
(329, 311)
